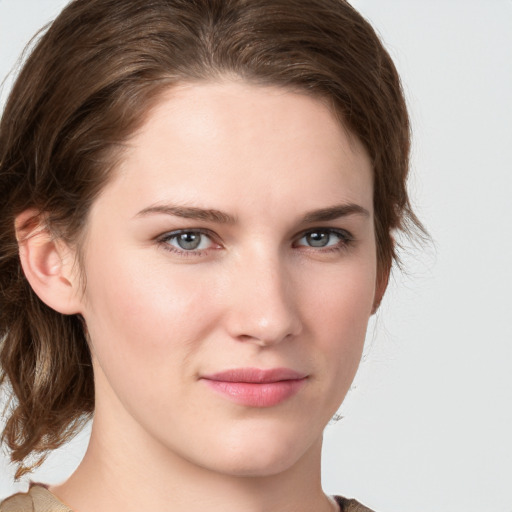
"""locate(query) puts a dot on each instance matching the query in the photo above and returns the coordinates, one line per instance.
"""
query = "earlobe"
(48, 264)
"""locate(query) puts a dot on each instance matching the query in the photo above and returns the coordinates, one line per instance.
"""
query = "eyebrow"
(189, 212)
(217, 216)
(335, 212)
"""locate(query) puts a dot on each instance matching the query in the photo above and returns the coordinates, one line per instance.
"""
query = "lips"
(255, 387)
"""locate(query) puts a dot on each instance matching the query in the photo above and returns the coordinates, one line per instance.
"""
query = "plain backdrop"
(428, 423)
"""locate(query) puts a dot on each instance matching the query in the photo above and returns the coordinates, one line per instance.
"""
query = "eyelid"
(344, 243)
(164, 238)
(346, 239)
(343, 233)
(176, 232)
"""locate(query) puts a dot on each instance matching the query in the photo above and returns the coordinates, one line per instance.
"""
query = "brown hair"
(88, 84)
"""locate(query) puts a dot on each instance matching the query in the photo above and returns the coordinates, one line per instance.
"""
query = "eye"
(187, 241)
(324, 238)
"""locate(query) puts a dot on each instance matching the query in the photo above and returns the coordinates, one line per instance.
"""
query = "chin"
(244, 465)
(261, 454)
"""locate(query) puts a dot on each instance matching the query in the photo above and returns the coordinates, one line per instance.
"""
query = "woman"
(198, 207)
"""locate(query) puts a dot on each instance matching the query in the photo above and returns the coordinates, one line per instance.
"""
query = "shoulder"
(20, 502)
(37, 499)
(348, 505)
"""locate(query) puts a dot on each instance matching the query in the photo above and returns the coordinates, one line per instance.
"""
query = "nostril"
(263, 306)
(269, 337)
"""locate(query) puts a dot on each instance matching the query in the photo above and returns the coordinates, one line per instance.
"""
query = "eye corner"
(188, 242)
(320, 238)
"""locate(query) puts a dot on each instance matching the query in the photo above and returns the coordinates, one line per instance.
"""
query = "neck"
(124, 470)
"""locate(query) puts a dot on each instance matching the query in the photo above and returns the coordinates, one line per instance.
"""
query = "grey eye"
(318, 238)
(189, 241)
(321, 238)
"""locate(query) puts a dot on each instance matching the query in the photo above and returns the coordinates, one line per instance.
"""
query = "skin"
(256, 294)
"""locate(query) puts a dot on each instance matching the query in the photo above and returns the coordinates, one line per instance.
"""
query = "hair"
(89, 83)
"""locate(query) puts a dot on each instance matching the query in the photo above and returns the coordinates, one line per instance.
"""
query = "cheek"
(339, 316)
(138, 311)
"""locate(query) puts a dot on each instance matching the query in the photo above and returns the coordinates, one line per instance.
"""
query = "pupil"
(318, 239)
(189, 241)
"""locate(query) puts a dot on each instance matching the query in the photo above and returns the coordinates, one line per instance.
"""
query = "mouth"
(255, 387)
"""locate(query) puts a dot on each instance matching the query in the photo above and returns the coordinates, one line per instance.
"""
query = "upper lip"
(255, 375)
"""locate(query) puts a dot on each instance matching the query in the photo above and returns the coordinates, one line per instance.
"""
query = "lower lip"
(261, 394)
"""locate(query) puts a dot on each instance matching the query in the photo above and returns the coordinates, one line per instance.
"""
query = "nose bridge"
(264, 306)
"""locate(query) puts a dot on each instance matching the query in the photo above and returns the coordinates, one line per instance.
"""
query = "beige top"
(37, 499)
(40, 499)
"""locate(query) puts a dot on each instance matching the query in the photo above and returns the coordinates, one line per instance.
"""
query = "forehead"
(230, 140)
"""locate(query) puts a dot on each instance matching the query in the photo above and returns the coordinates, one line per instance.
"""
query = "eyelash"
(167, 237)
(346, 240)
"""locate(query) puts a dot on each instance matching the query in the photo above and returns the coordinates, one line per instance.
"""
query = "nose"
(264, 304)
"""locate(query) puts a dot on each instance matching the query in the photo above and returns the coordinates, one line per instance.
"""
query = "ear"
(380, 286)
(48, 264)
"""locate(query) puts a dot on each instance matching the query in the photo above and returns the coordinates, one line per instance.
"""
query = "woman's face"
(231, 273)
